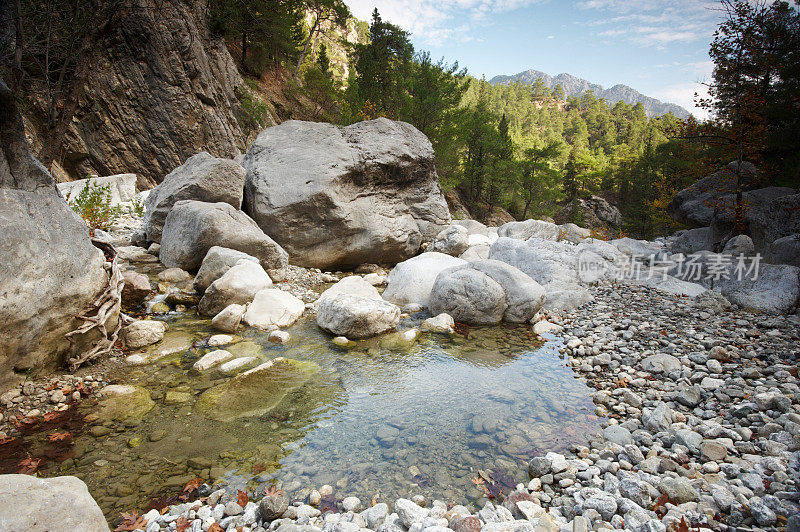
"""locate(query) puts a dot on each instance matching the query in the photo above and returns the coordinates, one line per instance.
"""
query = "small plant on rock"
(93, 204)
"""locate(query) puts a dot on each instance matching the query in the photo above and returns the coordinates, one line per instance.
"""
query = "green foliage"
(93, 204)
(265, 33)
(253, 109)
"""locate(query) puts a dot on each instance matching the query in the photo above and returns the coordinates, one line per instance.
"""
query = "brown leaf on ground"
(215, 528)
(131, 521)
(182, 524)
(242, 498)
(59, 436)
(30, 465)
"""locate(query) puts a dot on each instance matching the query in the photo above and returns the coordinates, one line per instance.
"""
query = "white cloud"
(684, 95)
(434, 21)
(654, 22)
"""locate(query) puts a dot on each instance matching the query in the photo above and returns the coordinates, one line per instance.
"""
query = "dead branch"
(99, 312)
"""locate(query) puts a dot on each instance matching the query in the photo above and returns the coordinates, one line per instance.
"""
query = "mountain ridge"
(575, 86)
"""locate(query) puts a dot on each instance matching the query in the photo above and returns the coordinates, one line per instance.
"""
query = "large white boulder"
(352, 285)
(49, 270)
(776, 289)
(473, 298)
(356, 317)
(343, 196)
(273, 307)
(239, 285)
(217, 261)
(469, 296)
(411, 281)
(32, 504)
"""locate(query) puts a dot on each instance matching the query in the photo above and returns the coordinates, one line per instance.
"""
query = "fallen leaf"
(131, 521)
(242, 498)
(182, 524)
(30, 465)
(215, 528)
(59, 436)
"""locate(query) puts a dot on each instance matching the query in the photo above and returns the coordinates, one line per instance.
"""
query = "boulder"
(637, 248)
(211, 359)
(524, 296)
(142, 333)
(739, 245)
(40, 504)
(121, 187)
(442, 323)
(135, 289)
(694, 205)
(50, 271)
(273, 308)
(452, 240)
(473, 227)
(202, 177)
(352, 285)
(257, 391)
(573, 233)
(785, 250)
(692, 240)
(238, 286)
(411, 281)
(356, 316)
(194, 227)
(771, 213)
(216, 263)
(775, 290)
(229, 318)
(529, 228)
(342, 196)
(469, 296)
(565, 296)
(548, 261)
(476, 252)
(120, 402)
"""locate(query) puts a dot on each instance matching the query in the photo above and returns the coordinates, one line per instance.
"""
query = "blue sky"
(658, 47)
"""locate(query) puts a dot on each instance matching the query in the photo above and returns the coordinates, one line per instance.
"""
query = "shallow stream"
(379, 420)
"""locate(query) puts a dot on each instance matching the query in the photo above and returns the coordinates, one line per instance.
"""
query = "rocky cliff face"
(160, 90)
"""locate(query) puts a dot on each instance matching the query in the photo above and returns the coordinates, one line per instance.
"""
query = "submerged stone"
(121, 402)
(257, 391)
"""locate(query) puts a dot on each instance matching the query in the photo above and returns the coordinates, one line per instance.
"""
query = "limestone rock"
(49, 272)
(256, 391)
(452, 240)
(342, 196)
(216, 263)
(40, 504)
(121, 187)
(202, 177)
(355, 316)
(469, 296)
(142, 333)
(229, 318)
(411, 281)
(528, 229)
(194, 227)
(239, 286)
(135, 290)
(273, 307)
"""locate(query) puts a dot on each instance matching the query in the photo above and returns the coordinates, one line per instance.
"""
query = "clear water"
(426, 401)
